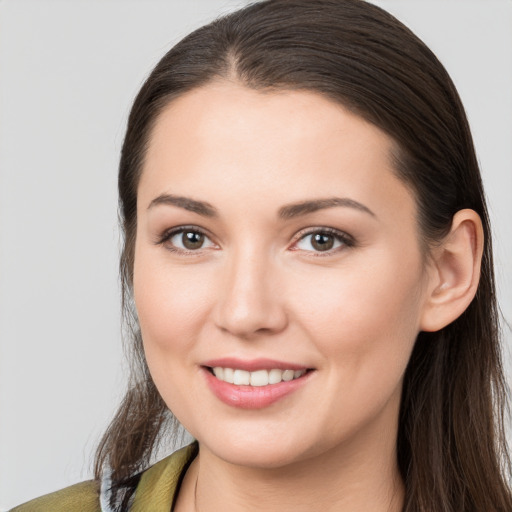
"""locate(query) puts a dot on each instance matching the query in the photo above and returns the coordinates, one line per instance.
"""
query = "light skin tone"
(340, 286)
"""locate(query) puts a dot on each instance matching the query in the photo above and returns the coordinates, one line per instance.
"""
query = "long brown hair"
(451, 444)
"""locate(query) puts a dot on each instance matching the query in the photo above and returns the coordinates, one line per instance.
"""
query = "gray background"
(69, 71)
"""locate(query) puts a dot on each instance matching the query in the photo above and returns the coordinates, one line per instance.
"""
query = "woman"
(308, 277)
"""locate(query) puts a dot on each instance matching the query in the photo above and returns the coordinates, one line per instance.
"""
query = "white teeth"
(241, 377)
(259, 378)
(229, 374)
(256, 378)
(275, 376)
(288, 375)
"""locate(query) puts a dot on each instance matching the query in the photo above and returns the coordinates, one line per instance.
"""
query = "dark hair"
(451, 445)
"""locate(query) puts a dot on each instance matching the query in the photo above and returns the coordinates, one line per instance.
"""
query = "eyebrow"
(286, 212)
(305, 207)
(192, 205)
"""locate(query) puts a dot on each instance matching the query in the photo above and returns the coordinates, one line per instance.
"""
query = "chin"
(258, 451)
(257, 457)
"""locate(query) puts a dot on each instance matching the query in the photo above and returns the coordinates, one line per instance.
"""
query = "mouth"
(254, 384)
(257, 378)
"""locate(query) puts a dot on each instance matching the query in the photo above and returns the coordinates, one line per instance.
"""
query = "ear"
(454, 272)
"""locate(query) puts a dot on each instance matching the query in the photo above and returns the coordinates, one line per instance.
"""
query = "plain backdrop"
(69, 71)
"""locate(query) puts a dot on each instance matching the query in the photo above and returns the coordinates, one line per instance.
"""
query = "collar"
(158, 485)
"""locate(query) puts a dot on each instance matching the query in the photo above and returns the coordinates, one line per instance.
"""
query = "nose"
(250, 301)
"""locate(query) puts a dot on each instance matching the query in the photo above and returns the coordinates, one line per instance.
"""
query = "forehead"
(226, 139)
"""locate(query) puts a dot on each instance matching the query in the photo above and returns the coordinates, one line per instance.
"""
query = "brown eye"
(192, 240)
(322, 241)
(183, 240)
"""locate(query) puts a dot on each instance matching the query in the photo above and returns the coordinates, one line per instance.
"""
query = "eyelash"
(167, 235)
(346, 240)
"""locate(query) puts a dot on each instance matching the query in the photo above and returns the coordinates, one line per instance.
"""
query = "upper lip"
(253, 364)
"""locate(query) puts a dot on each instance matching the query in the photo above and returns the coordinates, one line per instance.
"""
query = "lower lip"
(252, 397)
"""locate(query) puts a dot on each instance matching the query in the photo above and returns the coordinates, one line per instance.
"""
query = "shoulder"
(82, 497)
(157, 488)
(160, 483)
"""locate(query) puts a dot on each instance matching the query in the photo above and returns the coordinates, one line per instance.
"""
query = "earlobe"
(455, 272)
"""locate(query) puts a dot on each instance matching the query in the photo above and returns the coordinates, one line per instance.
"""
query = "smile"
(256, 378)
(254, 384)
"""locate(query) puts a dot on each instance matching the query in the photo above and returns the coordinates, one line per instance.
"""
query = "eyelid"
(346, 240)
(164, 237)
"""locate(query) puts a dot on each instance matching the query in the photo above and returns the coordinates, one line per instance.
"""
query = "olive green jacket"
(155, 491)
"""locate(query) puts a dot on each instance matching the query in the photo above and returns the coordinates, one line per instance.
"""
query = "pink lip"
(253, 364)
(252, 397)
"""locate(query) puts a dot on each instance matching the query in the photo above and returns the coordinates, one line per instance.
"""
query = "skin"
(259, 288)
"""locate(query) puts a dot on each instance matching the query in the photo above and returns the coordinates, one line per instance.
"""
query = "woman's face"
(275, 242)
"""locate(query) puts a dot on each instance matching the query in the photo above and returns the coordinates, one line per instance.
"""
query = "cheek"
(364, 323)
(171, 310)
(365, 318)
(171, 304)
